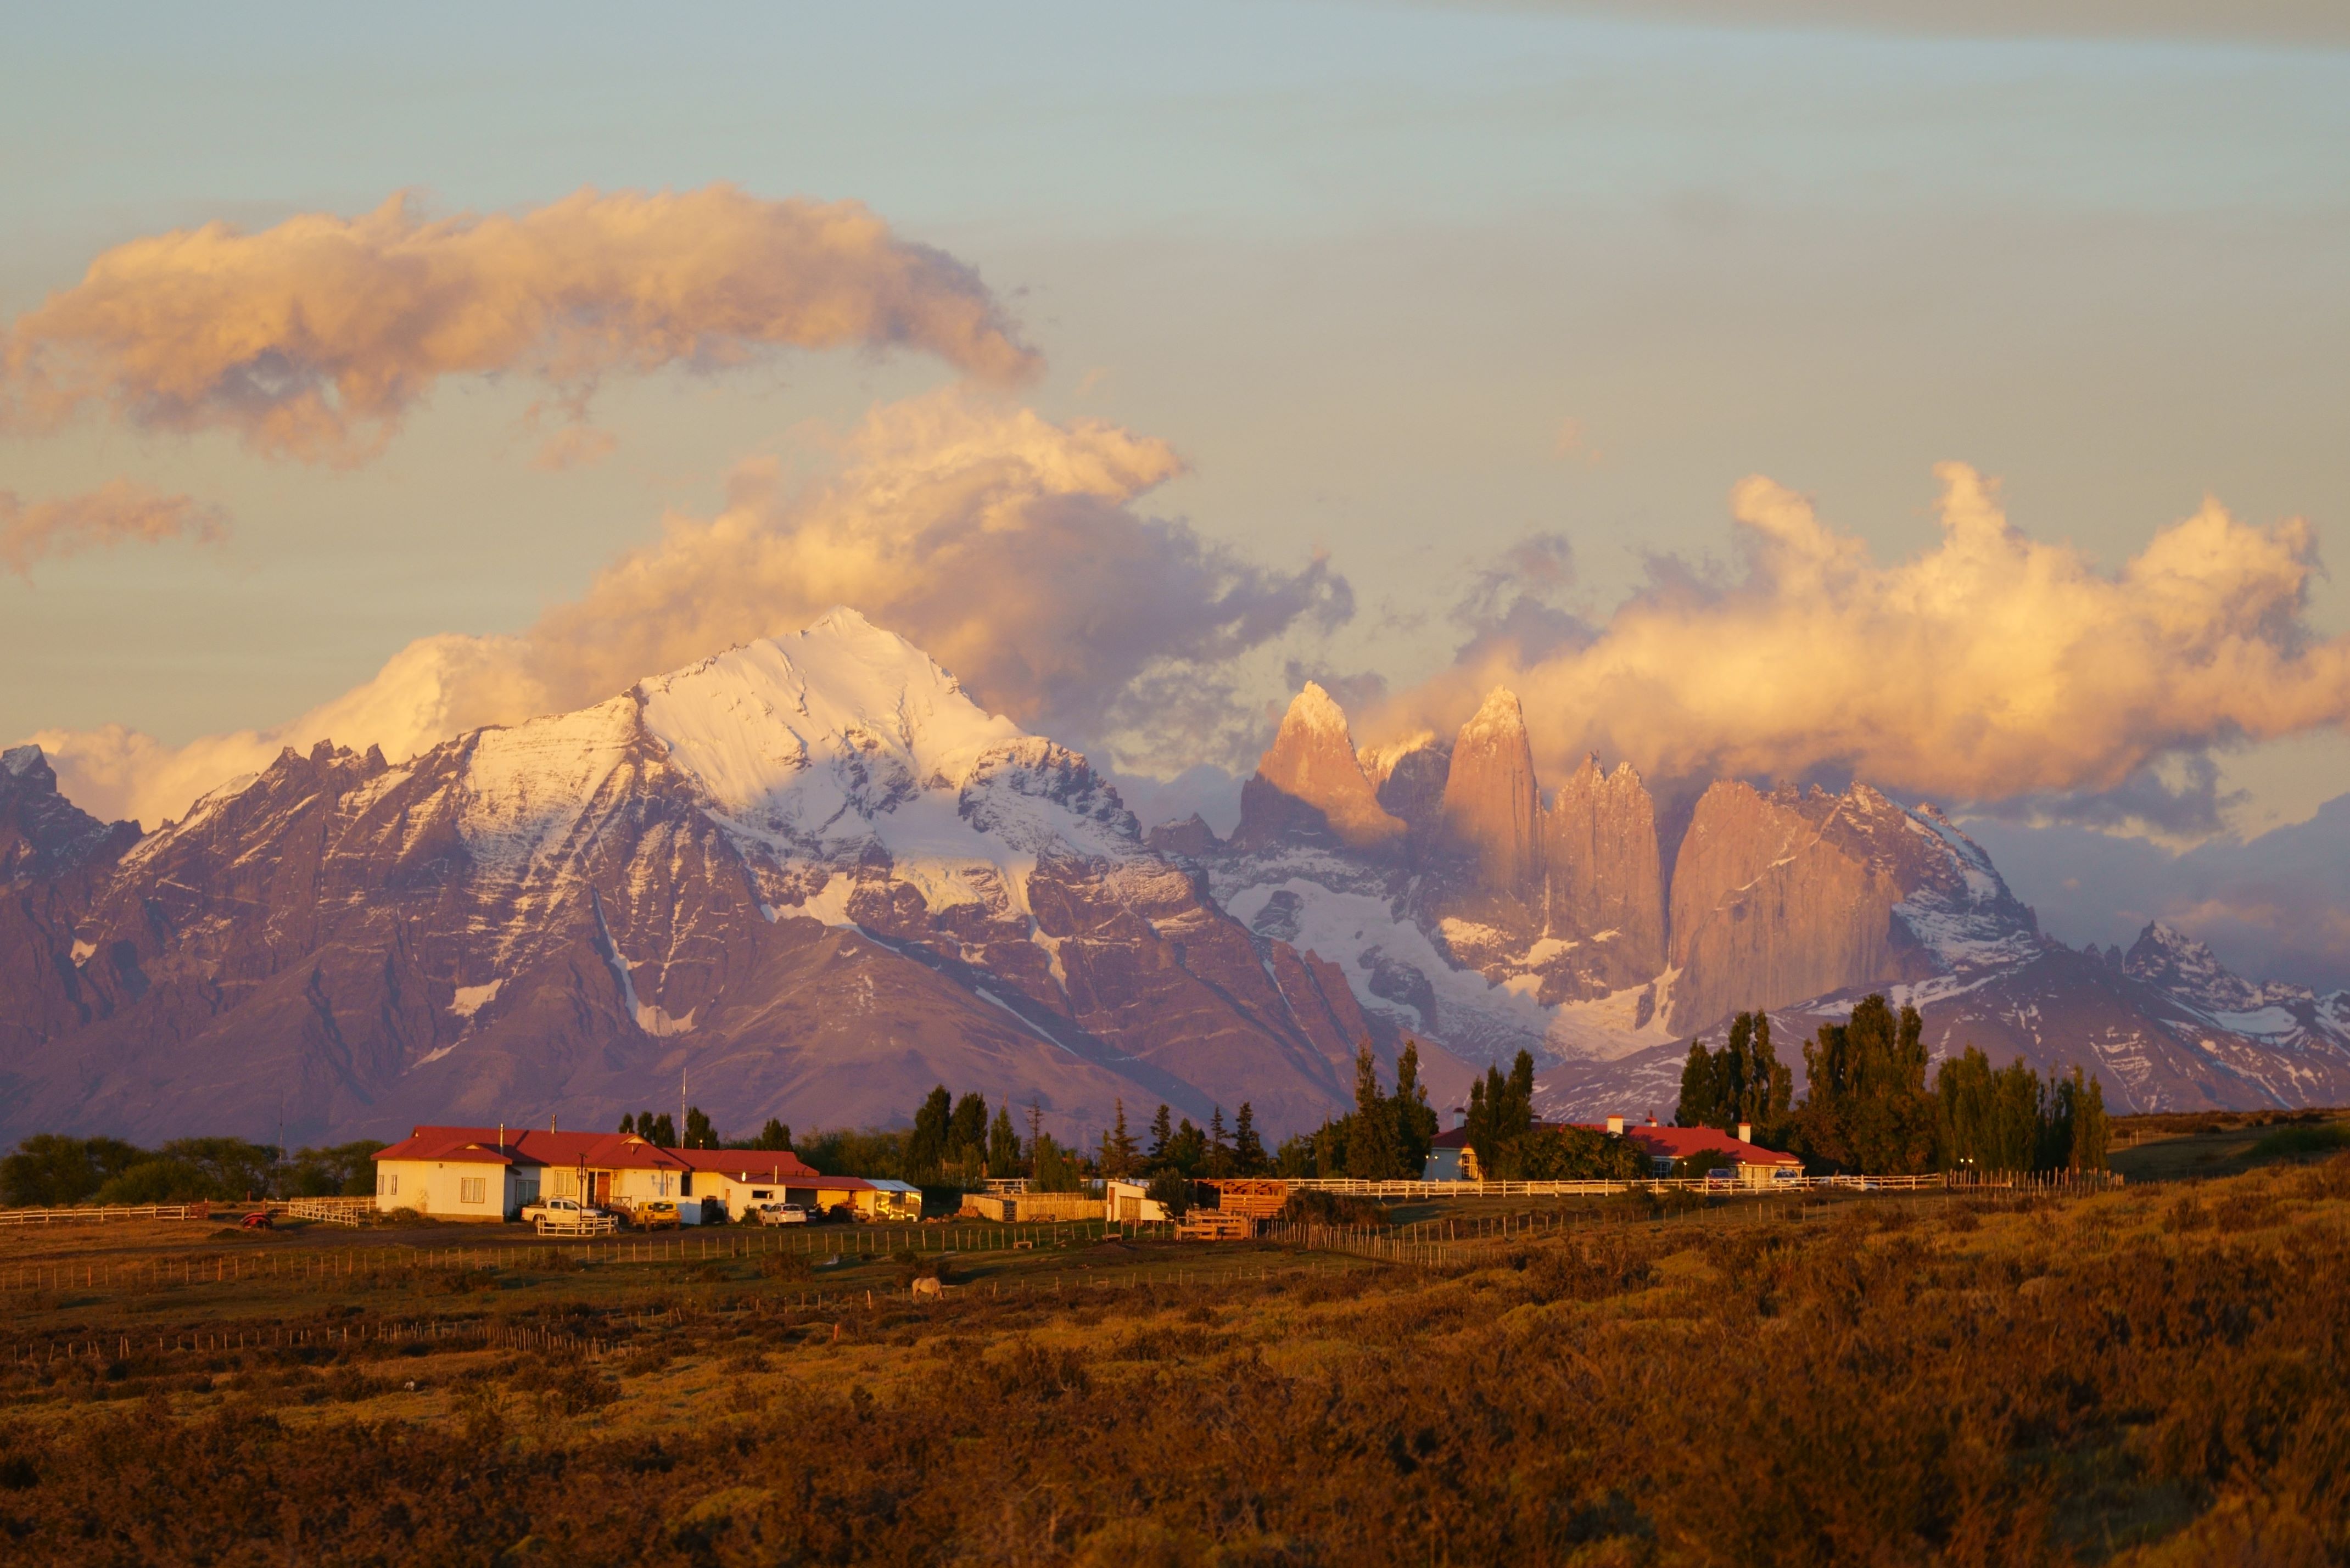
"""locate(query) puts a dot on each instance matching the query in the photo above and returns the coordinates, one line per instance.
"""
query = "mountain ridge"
(813, 877)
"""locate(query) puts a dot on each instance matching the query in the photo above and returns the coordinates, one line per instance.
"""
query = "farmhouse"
(489, 1173)
(741, 1179)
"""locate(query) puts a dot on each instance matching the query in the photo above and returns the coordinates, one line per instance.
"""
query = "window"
(392, 1188)
(472, 1190)
(761, 1192)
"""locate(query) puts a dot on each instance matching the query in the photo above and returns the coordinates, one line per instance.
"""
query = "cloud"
(116, 513)
(314, 338)
(1990, 667)
(1006, 546)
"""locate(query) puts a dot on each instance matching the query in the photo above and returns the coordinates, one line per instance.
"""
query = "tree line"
(1869, 1106)
(50, 1170)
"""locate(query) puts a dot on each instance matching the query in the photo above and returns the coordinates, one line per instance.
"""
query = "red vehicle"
(258, 1219)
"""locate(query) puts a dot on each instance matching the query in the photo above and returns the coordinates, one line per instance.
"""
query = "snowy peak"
(1310, 781)
(748, 723)
(2171, 960)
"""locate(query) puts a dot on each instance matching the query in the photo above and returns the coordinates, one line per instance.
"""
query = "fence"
(97, 1215)
(332, 1211)
(1404, 1192)
(277, 1263)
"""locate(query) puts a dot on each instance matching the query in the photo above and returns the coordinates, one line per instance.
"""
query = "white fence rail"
(97, 1214)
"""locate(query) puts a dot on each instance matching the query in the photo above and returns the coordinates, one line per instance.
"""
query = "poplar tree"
(1415, 1119)
(699, 1133)
(1371, 1154)
(774, 1136)
(1003, 1145)
(926, 1146)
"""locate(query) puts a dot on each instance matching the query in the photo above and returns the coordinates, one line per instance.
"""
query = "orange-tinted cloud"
(313, 339)
(1007, 546)
(1990, 667)
(116, 513)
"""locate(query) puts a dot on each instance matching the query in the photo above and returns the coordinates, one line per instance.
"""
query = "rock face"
(1311, 787)
(815, 879)
(809, 874)
(1504, 918)
(1603, 884)
(1492, 806)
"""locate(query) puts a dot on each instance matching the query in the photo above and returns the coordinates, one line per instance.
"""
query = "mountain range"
(810, 877)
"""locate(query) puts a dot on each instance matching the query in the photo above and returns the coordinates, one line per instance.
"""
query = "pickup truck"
(782, 1214)
(557, 1208)
(654, 1214)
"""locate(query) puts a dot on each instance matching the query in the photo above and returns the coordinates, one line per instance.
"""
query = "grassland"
(2147, 1376)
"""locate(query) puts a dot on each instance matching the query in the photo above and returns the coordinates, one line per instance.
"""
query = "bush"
(1171, 1191)
(2304, 1142)
(1315, 1208)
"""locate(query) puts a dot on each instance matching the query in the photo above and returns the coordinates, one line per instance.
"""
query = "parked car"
(257, 1220)
(782, 1214)
(557, 1208)
(654, 1214)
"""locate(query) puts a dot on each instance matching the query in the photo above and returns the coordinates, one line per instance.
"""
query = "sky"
(1951, 396)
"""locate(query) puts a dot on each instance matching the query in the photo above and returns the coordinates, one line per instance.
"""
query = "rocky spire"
(1491, 799)
(1311, 781)
(1601, 867)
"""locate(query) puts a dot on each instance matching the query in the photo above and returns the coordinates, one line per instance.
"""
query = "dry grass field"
(2150, 1376)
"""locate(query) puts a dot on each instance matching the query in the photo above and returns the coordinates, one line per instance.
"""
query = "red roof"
(1679, 1142)
(600, 1151)
(765, 1164)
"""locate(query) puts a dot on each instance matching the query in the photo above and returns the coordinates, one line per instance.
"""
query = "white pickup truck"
(570, 1209)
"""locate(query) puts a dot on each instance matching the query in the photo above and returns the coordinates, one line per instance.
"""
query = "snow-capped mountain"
(1586, 925)
(812, 877)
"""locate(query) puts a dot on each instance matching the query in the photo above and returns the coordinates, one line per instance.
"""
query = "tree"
(1053, 1169)
(663, 1134)
(1171, 1191)
(1162, 1133)
(1248, 1148)
(344, 1169)
(1867, 1109)
(699, 1133)
(1003, 1145)
(775, 1135)
(1187, 1150)
(49, 1171)
(926, 1148)
(1371, 1153)
(1295, 1159)
(1573, 1154)
(1416, 1123)
(967, 1133)
(1218, 1161)
(1118, 1156)
(1500, 1112)
(628, 1125)
(1742, 1082)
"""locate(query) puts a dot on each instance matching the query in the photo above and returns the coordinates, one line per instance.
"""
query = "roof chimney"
(1746, 1132)
(1616, 1126)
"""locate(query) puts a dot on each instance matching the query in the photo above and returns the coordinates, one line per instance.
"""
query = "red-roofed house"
(1452, 1159)
(489, 1173)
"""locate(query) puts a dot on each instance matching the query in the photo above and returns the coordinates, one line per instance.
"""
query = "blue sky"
(1364, 267)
